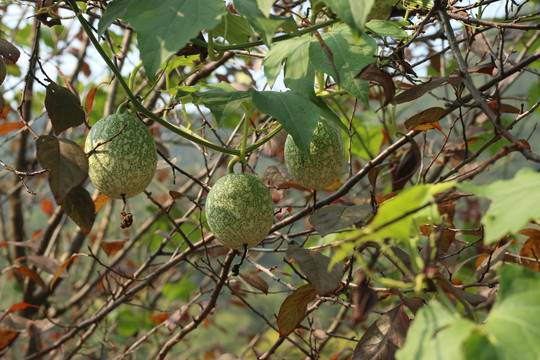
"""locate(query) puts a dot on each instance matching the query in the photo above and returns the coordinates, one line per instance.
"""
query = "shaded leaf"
(44, 263)
(295, 111)
(112, 247)
(166, 26)
(407, 167)
(364, 298)
(78, 205)
(336, 217)
(422, 89)
(486, 269)
(373, 74)
(115, 9)
(384, 336)
(253, 279)
(514, 203)
(66, 161)
(294, 308)
(10, 126)
(32, 275)
(9, 51)
(503, 108)
(63, 107)
(315, 266)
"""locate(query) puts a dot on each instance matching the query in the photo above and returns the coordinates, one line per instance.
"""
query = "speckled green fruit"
(239, 210)
(322, 165)
(127, 163)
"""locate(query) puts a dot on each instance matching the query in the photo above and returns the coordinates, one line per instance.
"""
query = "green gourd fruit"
(239, 210)
(322, 165)
(125, 163)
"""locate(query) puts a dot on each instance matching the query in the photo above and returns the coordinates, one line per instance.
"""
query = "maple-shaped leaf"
(514, 203)
(294, 308)
(63, 107)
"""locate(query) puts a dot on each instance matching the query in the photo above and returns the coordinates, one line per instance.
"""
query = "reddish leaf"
(255, 280)
(486, 68)
(32, 275)
(503, 108)
(63, 107)
(158, 318)
(315, 266)
(531, 249)
(63, 267)
(112, 247)
(6, 337)
(5, 111)
(10, 126)
(100, 202)
(47, 206)
(175, 194)
(533, 233)
(89, 101)
(294, 308)
(384, 337)
(9, 51)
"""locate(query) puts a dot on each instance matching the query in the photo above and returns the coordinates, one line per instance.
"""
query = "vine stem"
(188, 134)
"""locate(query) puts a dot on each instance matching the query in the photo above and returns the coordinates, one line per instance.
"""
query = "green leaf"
(166, 26)
(350, 56)
(367, 139)
(337, 217)
(78, 205)
(265, 6)
(436, 333)
(514, 203)
(514, 321)
(316, 268)
(265, 26)
(66, 161)
(115, 10)
(298, 115)
(181, 290)
(386, 28)
(299, 73)
(234, 29)
(129, 323)
(63, 107)
(400, 217)
(222, 100)
(352, 12)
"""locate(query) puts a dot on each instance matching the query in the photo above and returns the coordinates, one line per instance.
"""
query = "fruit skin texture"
(239, 210)
(323, 164)
(127, 163)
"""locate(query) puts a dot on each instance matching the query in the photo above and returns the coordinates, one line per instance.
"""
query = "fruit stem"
(230, 166)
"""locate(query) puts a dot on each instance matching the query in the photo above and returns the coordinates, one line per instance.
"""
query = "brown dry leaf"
(531, 249)
(380, 77)
(6, 337)
(253, 279)
(294, 308)
(158, 318)
(63, 267)
(47, 206)
(112, 247)
(503, 108)
(32, 275)
(100, 201)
